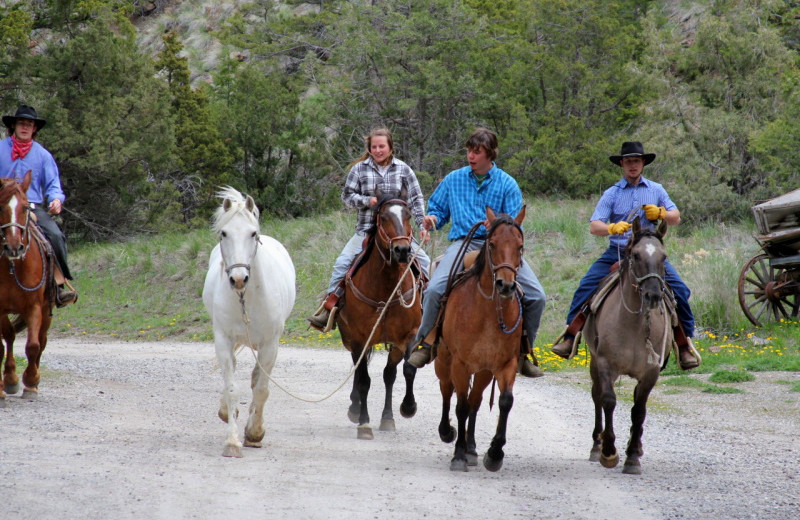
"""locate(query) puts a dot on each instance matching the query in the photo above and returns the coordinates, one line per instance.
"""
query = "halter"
(494, 268)
(24, 230)
(385, 236)
(637, 283)
(231, 267)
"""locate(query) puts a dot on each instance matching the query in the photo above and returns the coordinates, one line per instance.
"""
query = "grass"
(150, 288)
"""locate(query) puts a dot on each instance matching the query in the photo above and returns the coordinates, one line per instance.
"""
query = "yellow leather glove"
(619, 228)
(653, 212)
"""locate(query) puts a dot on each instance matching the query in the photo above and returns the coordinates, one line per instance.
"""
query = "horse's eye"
(254, 234)
(223, 234)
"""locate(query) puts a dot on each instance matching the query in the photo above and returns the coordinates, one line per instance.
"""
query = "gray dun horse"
(630, 334)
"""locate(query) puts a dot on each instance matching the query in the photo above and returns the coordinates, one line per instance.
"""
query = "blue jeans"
(602, 266)
(533, 301)
(351, 250)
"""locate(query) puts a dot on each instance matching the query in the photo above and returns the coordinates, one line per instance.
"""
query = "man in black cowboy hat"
(19, 152)
(610, 218)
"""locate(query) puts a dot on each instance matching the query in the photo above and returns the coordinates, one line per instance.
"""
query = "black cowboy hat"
(632, 149)
(24, 112)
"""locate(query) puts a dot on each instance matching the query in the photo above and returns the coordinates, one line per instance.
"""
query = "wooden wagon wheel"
(767, 293)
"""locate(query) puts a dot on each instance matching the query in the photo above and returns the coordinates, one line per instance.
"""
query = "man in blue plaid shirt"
(461, 198)
(377, 169)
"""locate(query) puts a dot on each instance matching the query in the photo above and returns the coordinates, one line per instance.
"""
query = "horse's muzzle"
(16, 252)
(401, 253)
(505, 288)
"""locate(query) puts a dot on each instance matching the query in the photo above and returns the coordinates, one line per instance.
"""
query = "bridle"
(636, 282)
(494, 269)
(25, 231)
(384, 235)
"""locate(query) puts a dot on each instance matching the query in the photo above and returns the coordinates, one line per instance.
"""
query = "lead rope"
(246, 321)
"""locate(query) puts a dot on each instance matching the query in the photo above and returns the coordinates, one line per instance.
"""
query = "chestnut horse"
(367, 292)
(630, 334)
(481, 334)
(26, 286)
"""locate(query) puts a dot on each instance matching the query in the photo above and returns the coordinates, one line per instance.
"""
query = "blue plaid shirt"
(620, 199)
(458, 198)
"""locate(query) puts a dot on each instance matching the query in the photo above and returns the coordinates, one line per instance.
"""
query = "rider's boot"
(565, 344)
(688, 357)
(322, 320)
(526, 367)
(66, 294)
(426, 352)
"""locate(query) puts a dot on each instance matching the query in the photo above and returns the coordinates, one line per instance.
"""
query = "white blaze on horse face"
(12, 206)
(650, 249)
(397, 212)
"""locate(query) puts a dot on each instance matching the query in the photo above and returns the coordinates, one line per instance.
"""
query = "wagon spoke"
(757, 283)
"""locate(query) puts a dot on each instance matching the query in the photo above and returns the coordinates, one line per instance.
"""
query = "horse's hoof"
(252, 444)
(408, 410)
(232, 451)
(12, 389)
(609, 462)
(353, 413)
(365, 432)
(492, 464)
(458, 465)
(632, 467)
(30, 394)
(594, 455)
(472, 458)
(387, 425)
(449, 436)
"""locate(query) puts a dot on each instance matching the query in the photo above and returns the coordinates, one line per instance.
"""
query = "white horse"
(249, 292)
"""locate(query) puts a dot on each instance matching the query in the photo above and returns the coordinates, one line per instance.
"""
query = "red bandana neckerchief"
(19, 149)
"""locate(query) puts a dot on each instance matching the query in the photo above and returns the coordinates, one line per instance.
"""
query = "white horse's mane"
(222, 217)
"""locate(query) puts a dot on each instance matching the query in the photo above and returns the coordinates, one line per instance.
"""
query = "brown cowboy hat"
(24, 112)
(632, 149)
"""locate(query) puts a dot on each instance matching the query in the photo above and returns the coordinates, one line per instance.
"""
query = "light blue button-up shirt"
(459, 198)
(46, 182)
(620, 199)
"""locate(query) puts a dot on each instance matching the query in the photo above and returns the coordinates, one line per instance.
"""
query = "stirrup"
(70, 295)
(575, 342)
(695, 353)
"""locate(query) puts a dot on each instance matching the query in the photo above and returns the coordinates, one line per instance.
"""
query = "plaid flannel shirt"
(364, 179)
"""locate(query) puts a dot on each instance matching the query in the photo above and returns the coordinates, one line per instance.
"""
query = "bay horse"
(480, 338)
(26, 286)
(367, 291)
(630, 334)
(249, 292)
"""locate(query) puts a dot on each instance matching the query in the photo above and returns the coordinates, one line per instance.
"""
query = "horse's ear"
(226, 204)
(26, 182)
(490, 216)
(378, 193)
(636, 226)
(403, 193)
(520, 216)
(250, 204)
(662, 229)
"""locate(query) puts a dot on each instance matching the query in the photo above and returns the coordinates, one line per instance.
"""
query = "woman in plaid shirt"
(377, 169)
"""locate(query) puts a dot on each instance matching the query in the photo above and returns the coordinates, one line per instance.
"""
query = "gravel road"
(129, 430)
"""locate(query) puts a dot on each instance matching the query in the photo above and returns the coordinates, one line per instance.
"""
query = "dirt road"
(129, 430)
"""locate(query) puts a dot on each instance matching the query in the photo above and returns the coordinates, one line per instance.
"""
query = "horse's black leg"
(362, 382)
(594, 454)
(389, 377)
(446, 431)
(493, 460)
(459, 462)
(472, 448)
(355, 401)
(638, 412)
(608, 399)
(409, 405)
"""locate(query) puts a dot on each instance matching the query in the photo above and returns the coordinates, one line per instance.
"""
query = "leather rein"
(25, 230)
